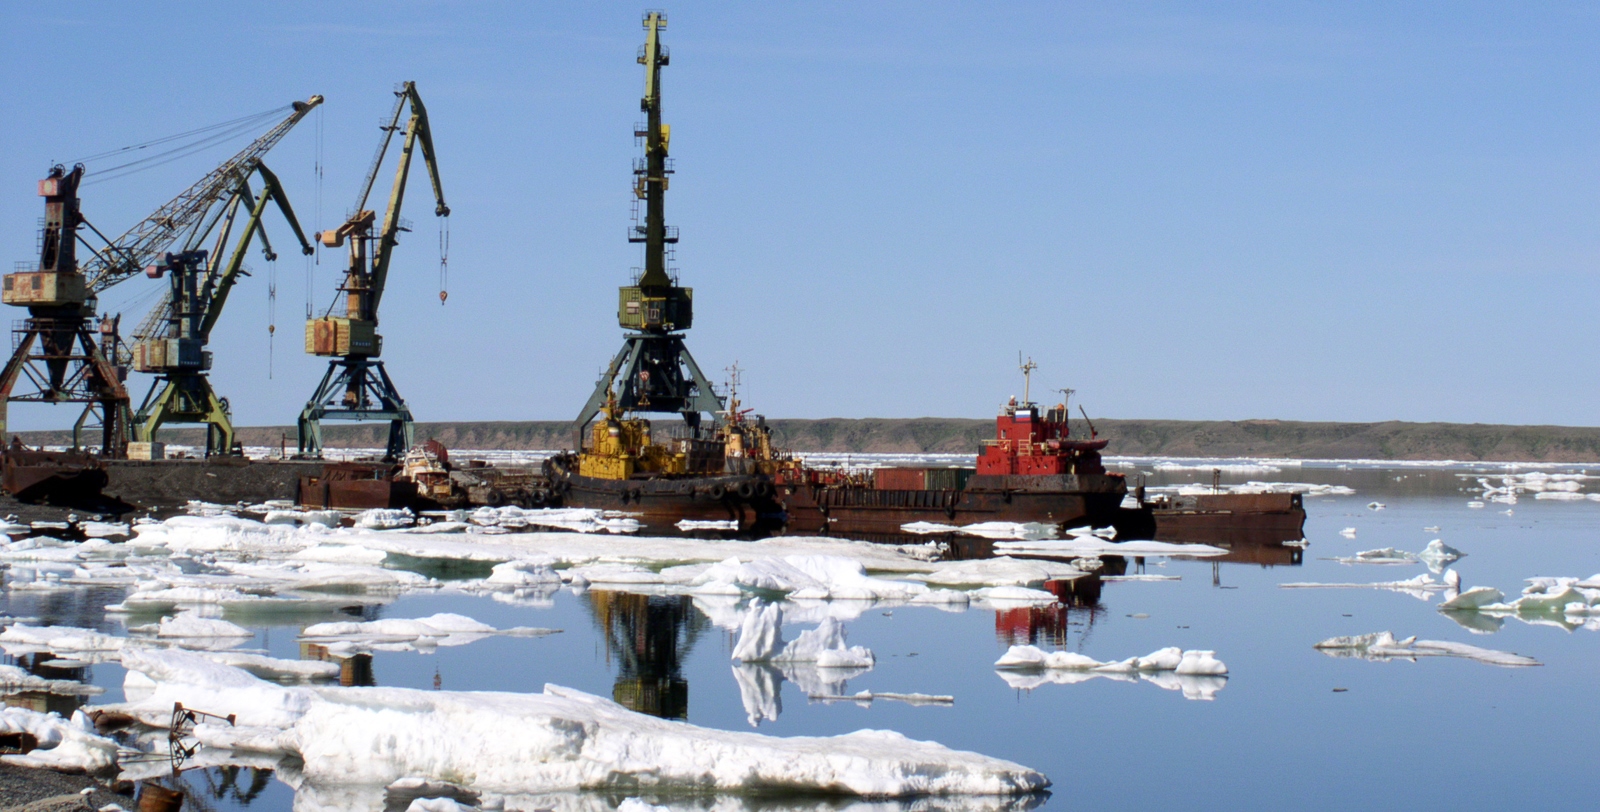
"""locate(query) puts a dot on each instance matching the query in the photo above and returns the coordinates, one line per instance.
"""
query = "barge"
(1032, 471)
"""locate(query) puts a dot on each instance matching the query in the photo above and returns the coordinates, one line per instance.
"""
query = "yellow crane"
(356, 386)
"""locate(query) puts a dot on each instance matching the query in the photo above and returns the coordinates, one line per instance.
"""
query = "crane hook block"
(443, 294)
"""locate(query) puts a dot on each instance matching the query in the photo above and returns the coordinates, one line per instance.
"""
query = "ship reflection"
(649, 635)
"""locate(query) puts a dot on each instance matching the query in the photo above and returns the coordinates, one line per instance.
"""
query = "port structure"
(356, 386)
(171, 341)
(59, 356)
(654, 371)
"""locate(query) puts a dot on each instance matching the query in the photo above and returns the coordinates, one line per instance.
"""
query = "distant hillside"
(1391, 440)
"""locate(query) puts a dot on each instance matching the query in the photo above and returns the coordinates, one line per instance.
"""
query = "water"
(1438, 733)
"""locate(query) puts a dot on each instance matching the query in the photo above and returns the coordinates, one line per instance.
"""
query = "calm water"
(1435, 734)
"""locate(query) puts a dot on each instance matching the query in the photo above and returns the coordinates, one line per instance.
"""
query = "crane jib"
(147, 241)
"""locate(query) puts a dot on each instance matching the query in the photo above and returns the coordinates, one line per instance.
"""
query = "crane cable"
(224, 132)
(316, 238)
(444, 258)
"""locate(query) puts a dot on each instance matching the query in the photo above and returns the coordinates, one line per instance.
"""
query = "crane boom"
(145, 242)
(416, 131)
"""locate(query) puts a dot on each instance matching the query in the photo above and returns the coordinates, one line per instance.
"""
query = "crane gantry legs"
(356, 388)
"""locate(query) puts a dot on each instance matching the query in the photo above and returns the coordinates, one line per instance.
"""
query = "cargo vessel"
(727, 475)
(1032, 471)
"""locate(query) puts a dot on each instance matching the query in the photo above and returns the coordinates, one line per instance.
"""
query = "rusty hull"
(1056, 499)
(356, 486)
(35, 476)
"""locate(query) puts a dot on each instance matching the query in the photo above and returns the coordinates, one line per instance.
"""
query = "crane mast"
(654, 371)
(356, 385)
(57, 354)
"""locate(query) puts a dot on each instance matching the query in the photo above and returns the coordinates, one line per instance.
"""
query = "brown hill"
(1392, 440)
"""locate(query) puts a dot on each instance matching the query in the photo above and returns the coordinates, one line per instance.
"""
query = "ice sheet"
(555, 741)
(1095, 546)
(1384, 646)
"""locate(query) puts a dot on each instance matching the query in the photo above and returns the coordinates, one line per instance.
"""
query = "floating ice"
(1439, 553)
(1419, 587)
(1141, 577)
(17, 680)
(1193, 663)
(1376, 506)
(395, 634)
(924, 528)
(386, 518)
(560, 740)
(1011, 530)
(1348, 532)
(189, 624)
(1198, 674)
(63, 745)
(524, 573)
(707, 524)
(1474, 504)
(761, 640)
(1472, 599)
(23, 639)
(1384, 646)
(1094, 546)
(1107, 532)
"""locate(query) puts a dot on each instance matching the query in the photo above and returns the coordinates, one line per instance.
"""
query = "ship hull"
(742, 499)
(1066, 500)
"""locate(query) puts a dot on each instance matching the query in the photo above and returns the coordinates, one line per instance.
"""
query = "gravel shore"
(23, 788)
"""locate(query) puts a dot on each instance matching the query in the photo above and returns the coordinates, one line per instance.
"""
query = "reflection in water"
(355, 670)
(649, 635)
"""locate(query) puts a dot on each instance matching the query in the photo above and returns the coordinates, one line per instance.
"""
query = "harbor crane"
(654, 371)
(171, 340)
(57, 353)
(356, 386)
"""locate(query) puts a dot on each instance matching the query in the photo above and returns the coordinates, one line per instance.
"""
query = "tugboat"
(624, 466)
(1032, 471)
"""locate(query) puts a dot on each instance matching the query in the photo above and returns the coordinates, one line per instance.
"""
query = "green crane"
(654, 371)
(356, 386)
(57, 354)
(171, 341)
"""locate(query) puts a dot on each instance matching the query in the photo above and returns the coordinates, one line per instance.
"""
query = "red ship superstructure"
(1028, 443)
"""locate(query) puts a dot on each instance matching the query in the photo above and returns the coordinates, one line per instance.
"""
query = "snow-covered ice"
(558, 740)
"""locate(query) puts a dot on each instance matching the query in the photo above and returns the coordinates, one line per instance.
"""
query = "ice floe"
(1421, 586)
(1096, 546)
(1191, 663)
(558, 740)
(63, 744)
(17, 680)
(761, 640)
(1197, 674)
(398, 634)
(1384, 646)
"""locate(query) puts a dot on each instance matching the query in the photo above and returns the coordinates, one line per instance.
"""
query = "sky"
(1338, 211)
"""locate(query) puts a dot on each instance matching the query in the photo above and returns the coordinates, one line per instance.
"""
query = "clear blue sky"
(1340, 211)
